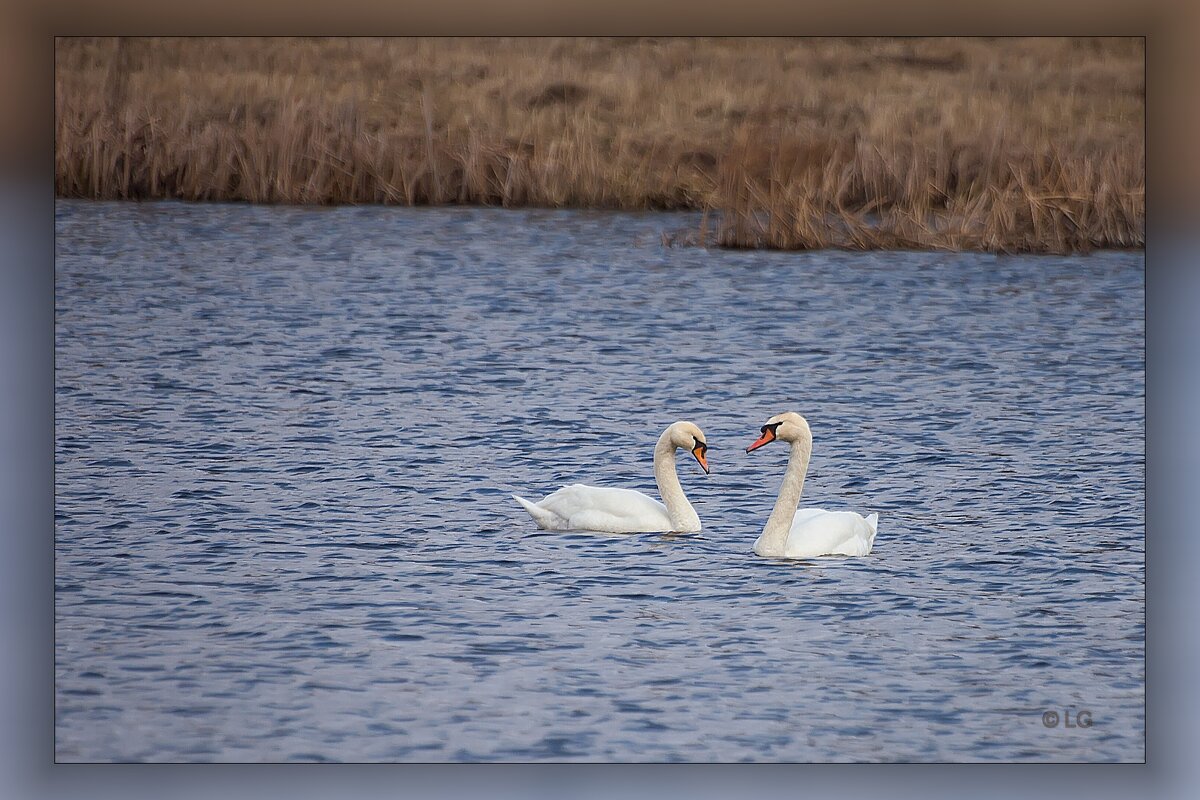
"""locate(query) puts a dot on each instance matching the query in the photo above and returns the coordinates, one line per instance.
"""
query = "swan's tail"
(541, 516)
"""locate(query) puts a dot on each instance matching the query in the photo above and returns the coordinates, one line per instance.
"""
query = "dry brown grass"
(1008, 144)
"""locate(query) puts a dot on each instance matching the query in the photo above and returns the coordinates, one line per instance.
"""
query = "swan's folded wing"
(816, 531)
(622, 509)
(804, 514)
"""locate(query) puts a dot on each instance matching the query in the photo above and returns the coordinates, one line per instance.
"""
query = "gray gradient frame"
(27, 491)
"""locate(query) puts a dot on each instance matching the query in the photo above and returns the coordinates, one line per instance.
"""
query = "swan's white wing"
(817, 532)
(805, 514)
(596, 508)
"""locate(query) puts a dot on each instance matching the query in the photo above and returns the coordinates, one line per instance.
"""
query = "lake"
(286, 440)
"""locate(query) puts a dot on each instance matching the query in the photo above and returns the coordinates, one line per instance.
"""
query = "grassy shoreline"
(1013, 145)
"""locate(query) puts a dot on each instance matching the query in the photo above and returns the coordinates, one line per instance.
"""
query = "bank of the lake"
(1019, 145)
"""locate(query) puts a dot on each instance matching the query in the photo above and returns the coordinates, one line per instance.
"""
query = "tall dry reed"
(1009, 144)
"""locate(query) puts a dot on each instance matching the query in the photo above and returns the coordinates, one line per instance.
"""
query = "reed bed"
(1032, 145)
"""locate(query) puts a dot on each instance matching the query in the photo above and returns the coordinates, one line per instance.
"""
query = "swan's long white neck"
(775, 533)
(683, 516)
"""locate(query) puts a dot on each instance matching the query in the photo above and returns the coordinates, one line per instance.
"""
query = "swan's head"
(688, 436)
(786, 427)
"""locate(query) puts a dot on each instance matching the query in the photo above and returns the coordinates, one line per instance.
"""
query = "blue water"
(285, 440)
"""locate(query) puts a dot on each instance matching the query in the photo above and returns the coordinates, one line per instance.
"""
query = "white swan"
(808, 532)
(593, 508)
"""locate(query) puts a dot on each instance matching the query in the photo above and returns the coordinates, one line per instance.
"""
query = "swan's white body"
(808, 532)
(817, 532)
(594, 508)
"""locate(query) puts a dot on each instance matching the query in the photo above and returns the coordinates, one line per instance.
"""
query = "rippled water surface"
(286, 438)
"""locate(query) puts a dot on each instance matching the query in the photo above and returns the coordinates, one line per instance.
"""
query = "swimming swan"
(810, 531)
(593, 508)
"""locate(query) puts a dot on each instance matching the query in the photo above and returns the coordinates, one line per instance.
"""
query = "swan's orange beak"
(701, 458)
(768, 436)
